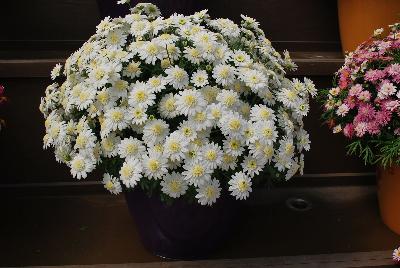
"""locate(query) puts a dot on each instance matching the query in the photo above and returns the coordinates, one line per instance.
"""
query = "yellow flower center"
(154, 165)
(211, 155)
(174, 146)
(198, 171)
(252, 164)
(235, 124)
(190, 100)
(234, 144)
(117, 116)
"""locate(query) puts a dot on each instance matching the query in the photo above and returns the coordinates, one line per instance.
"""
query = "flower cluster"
(364, 103)
(184, 105)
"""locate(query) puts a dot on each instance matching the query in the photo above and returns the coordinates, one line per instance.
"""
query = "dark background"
(41, 29)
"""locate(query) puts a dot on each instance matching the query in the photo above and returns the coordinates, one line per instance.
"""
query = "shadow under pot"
(182, 230)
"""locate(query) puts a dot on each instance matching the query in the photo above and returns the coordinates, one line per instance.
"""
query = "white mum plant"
(179, 106)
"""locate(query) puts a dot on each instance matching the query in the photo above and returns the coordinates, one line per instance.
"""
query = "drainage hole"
(298, 204)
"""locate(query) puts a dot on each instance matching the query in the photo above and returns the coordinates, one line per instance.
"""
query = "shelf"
(93, 228)
(309, 64)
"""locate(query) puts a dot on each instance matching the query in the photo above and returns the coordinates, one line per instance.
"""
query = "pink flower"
(360, 129)
(386, 89)
(364, 96)
(374, 75)
(383, 117)
(344, 78)
(392, 105)
(342, 110)
(393, 69)
(350, 102)
(373, 128)
(366, 112)
(348, 130)
(397, 131)
(355, 90)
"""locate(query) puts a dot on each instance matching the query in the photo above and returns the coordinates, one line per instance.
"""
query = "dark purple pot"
(182, 231)
(167, 7)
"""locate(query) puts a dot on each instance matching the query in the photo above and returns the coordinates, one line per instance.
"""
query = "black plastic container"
(183, 231)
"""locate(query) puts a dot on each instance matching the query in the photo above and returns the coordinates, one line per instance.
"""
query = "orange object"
(359, 18)
(389, 196)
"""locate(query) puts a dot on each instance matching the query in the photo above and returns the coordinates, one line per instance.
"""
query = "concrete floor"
(56, 228)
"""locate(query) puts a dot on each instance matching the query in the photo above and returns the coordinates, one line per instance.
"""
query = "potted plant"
(181, 114)
(364, 105)
(358, 18)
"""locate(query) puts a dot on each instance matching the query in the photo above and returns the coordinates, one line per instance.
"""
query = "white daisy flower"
(261, 113)
(173, 185)
(155, 131)
(166, 39)
(252, 166)
(303, 140)
(156, 83)
(211, 154)
(188, 130)
(288, 97)
(209, 192)
(193, 54)
(132, 70)
(110, 145)
(190, 101)
(56, 71)
(199, 78)
(282, 161)
(120, 88)
(224, 74)
(112, 184)
(116, 39)
(140, 27)
(215, 111)
(228, 162)
(131, 148)
(175, 146)
(232, 124)
(81, 165)
(254, 79)
(130, 172)
(196, 173)
(105, 99)
(140, 95)
(167, 106)
(240, 186)
(228, 98)
(177, 77)
(233, 146)
(209, 93)
(266, 131)
(241, 58)
(137, 115)
(85, 140)
(154, 165)
(150, 52)
(200, 120)
(115, 118)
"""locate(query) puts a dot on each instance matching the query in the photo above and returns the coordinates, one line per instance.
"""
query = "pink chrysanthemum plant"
(364, 104)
